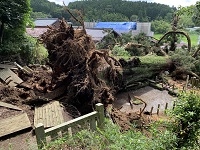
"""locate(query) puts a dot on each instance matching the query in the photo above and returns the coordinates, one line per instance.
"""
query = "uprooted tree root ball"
(84, 75)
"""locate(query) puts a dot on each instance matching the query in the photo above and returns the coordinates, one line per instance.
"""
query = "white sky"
(175, 3)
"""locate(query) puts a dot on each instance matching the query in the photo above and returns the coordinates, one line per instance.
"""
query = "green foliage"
(139, 50)
(120, 51)
(98, 9)
(134, 18)
(187, 116)
(183, 59)
(48, 8)
(35, 15)
(160, 26)
(192, 11)
(153, 60)
(110, 40)
(186, 21)
(33, 51)
(14, 16)
(112, 138)
(14, 13)
(27, 48)
(114, 17)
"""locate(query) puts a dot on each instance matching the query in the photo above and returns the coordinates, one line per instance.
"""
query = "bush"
(26, 48)
(187, 118)
(182, 59)
(112, 138)
(160, 26)
(120, 51)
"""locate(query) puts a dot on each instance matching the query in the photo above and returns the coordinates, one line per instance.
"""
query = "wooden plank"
(71, 123)
(3, 104)
(8, 66)
(10, 77)
(49, 115)
(14, 124)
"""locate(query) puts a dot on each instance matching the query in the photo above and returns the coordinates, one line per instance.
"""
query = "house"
(123, 27)
(98, 34)
(143, 27)
(119, 27)
(44, 22)
(41, 26)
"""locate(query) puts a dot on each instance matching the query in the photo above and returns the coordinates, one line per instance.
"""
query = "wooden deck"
(14, 124)
(3, 104)
(49, 115)
(8, 66)
(10, 77)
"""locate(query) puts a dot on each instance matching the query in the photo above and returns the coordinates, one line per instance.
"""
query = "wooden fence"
(93, 119)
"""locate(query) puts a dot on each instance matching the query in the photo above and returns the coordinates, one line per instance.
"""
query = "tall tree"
(13, 15)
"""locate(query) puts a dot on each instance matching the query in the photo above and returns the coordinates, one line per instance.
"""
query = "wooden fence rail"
(93, 120)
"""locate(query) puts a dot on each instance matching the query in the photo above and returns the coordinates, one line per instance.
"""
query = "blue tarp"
(119, 27)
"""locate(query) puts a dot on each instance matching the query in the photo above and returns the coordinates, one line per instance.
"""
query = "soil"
(151, 96)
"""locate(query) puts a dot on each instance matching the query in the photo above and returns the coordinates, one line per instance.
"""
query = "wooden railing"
(91, 120)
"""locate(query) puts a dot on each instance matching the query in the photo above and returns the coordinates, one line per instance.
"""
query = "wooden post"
(40, 135)
(187, 80)
(93, 124)
(174, 105)
(100, 110)
(193, 81)
(158, 109)
(151, 112)
(197, 83)
(156, 79)
(166, 106)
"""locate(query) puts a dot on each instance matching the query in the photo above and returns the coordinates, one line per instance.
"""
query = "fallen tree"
(83, 75)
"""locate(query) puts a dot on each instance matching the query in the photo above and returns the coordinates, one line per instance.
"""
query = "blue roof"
(119, 27)
(45, 22)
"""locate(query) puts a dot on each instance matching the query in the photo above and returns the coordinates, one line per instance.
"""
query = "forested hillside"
(44, 8)
(107, 10)
(118, 10)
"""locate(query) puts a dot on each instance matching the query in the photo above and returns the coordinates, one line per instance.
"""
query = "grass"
(153, 60)
(111, 138)
(194, 38)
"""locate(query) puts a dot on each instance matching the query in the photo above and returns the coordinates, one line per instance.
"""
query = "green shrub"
(120, 51)
(160, 26)
(26, 47)
(112, 138)
(187, 117)
(182, 59)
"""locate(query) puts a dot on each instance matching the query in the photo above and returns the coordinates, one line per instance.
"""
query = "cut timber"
(49, 115)
(2, 104)
(7, 66)
(14, 124)
(10, 77)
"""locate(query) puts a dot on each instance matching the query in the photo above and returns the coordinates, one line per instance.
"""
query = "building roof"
(97, 34)
(43, 22)
(36, 32)
(119, 27)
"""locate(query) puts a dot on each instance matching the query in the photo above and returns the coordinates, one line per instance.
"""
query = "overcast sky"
(175, 3)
